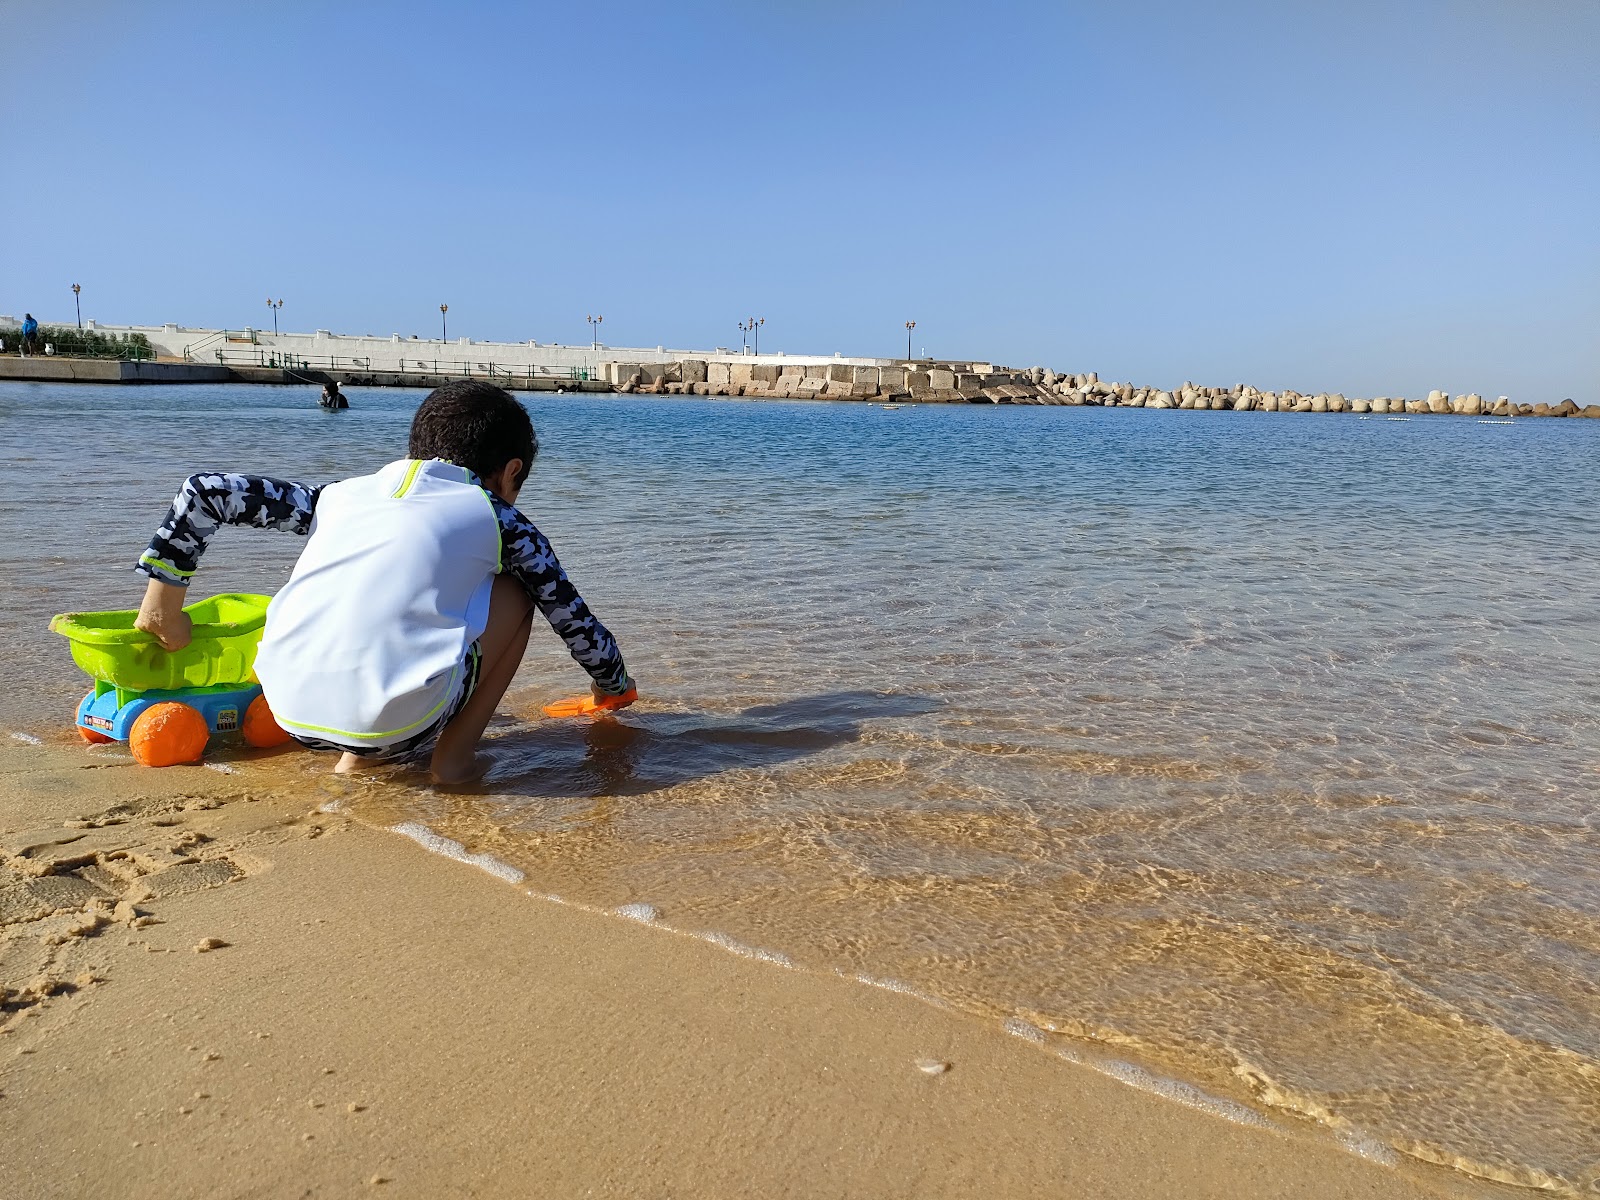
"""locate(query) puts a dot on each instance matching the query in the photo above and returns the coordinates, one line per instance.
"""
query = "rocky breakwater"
(922, 382)
(984, 383)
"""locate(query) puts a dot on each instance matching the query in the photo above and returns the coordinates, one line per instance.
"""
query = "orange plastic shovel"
(588, 706)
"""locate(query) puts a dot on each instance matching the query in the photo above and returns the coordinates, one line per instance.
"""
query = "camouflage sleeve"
(206, 502)
(527, 554)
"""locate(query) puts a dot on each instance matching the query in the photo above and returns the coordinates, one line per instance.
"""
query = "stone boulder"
(1244, 404)
(1437, 402)
(1565, 409)
(1502, 408)
(1590, 410)
(1305, 405)
(1160, 400)
(694, 370)
(1360, 406)
(1381, 404)
(1268, 402)
(1416, 407)
(1472, 406)
(1319, 403)
(1541, 409)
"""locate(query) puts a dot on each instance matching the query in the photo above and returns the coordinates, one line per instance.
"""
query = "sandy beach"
(215, 990)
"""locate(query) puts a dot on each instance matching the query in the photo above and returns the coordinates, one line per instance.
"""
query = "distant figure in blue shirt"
(30, 334)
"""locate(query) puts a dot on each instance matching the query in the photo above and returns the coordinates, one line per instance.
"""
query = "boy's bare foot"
(450, 773)
(347, 763)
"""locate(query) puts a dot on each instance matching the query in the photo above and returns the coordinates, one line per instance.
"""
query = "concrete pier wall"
(394, 353)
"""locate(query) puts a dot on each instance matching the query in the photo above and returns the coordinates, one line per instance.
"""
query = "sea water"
(1260, 750)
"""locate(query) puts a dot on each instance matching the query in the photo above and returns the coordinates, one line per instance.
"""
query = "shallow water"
(1263, 748)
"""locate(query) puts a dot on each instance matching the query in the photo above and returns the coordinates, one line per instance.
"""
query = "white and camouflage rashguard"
(210, 500)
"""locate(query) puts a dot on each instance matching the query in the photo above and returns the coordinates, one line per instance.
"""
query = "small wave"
(26, 739)
(644, 913)
(896, 986)
(1017, 1027)
(429, 840)
(1183, 1093)
(1368, 1148)
(727, 943)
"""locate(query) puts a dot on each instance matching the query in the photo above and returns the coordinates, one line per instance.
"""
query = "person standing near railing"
(30, 335)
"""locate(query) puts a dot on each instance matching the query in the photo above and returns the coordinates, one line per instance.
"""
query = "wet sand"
(212, 990)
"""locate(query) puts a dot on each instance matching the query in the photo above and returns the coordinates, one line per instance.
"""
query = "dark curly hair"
(474, 425)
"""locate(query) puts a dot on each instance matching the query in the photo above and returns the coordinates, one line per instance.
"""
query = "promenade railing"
(262, 356)
(67, 341)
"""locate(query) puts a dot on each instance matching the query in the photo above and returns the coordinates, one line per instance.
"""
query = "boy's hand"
(161, 615)
(608, 700)
(595, 702)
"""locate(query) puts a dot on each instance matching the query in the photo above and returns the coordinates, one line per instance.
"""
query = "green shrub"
(72, 342)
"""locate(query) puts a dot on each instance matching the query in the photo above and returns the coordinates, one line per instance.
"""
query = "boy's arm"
(527, 554)
(207, 502)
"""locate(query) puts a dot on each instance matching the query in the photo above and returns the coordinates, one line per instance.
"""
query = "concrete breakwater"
(255, 356)
(972, 383)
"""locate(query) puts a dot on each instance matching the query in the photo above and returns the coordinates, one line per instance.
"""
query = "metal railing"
(265, 357)
(62, 341)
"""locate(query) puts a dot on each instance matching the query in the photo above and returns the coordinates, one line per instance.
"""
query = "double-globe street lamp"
(910, 325)
(594, 331)
(752, 327)
(444, 329)
(274, 305)
(75, 290)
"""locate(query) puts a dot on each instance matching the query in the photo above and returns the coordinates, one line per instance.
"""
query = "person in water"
(410, 607)
(332, 397)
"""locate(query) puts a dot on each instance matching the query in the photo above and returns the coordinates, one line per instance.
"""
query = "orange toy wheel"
(93, 736)
(260, 728)
(167, 734)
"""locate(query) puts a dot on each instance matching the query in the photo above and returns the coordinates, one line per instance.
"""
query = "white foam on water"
(1368, 1148)
(903, 989)
(743, 951)
(221, 768)
(26, 738)
(645, 913)
(1017, 1027)
(331, 806)
(1185, 1094)
(429, 840)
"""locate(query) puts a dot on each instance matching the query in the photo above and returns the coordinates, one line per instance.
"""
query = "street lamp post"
(444, 328)
(594, 331)
(274, 305)
(910, 325)
(751, 328)
(75, 290)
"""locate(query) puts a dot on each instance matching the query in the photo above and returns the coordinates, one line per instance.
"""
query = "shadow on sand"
(640, 751)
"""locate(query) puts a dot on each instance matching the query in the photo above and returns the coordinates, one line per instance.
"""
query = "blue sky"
(1370, 197)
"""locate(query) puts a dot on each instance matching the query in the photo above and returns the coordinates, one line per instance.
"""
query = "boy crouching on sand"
(409, 609)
